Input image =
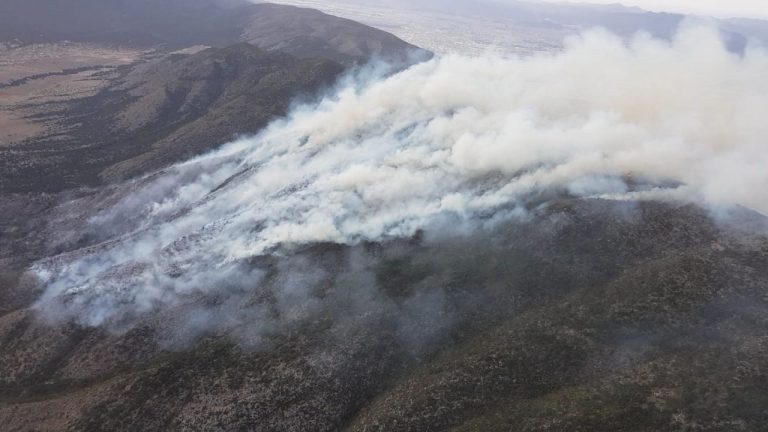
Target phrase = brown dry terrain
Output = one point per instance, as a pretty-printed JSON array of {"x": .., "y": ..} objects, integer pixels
[
  {"x": 137, "y": 118},
  {"x": 37, "y": 80},
  {"x": 32, "y": 60}
]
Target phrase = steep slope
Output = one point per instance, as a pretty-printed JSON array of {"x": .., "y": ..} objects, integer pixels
[
  {"x": 592, "y": 315},
  {"x": 179, "y": 24},
  {"x": 310, "y": 33},
  {"x": 167, "y": 105},
  {"x": 162, "y": 112},
  {"x": 182, "y": 107}
]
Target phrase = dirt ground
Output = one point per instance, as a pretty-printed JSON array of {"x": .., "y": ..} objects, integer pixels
[
  {"x": 35, "y": 79},
  {"x": 32, "y": 60}
]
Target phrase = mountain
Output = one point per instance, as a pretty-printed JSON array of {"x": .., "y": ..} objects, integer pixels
[
  {"x": 142, "y": 290},
  {"x": 310, "y": 33},
  {"x": 163, "y": 112},
  {"x": 590, "y": 316},
  {"x": 181, "y": 107},
  {"x": 166, "y": 105},
  {"x": 141, "y": 108},
  {"x": 177, "y": 24},
  {"x": 89, "y": 113}
]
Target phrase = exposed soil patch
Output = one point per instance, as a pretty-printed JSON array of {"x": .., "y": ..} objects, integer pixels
[{"x": 37, "y": 80}]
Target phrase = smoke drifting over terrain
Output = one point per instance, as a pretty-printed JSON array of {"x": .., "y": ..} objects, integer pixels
[{"x": 454, "y": 143}]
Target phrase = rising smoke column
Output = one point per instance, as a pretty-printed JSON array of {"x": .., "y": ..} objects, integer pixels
[{"x": 462, "y": 138}]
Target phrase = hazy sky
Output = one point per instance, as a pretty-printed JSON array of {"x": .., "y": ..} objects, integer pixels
[{"x": 758, "y": 8}]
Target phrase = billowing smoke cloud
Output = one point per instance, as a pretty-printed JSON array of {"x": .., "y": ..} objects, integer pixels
[{"x": 465, "y": 140}]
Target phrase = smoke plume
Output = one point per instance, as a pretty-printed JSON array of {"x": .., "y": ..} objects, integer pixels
[{"x": 450, "y": 144}]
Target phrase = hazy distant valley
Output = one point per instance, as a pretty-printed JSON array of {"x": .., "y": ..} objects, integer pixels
[{"x": 514, "y": 27}]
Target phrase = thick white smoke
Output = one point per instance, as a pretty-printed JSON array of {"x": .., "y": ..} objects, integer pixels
[{"x": 462, "y": 138}]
